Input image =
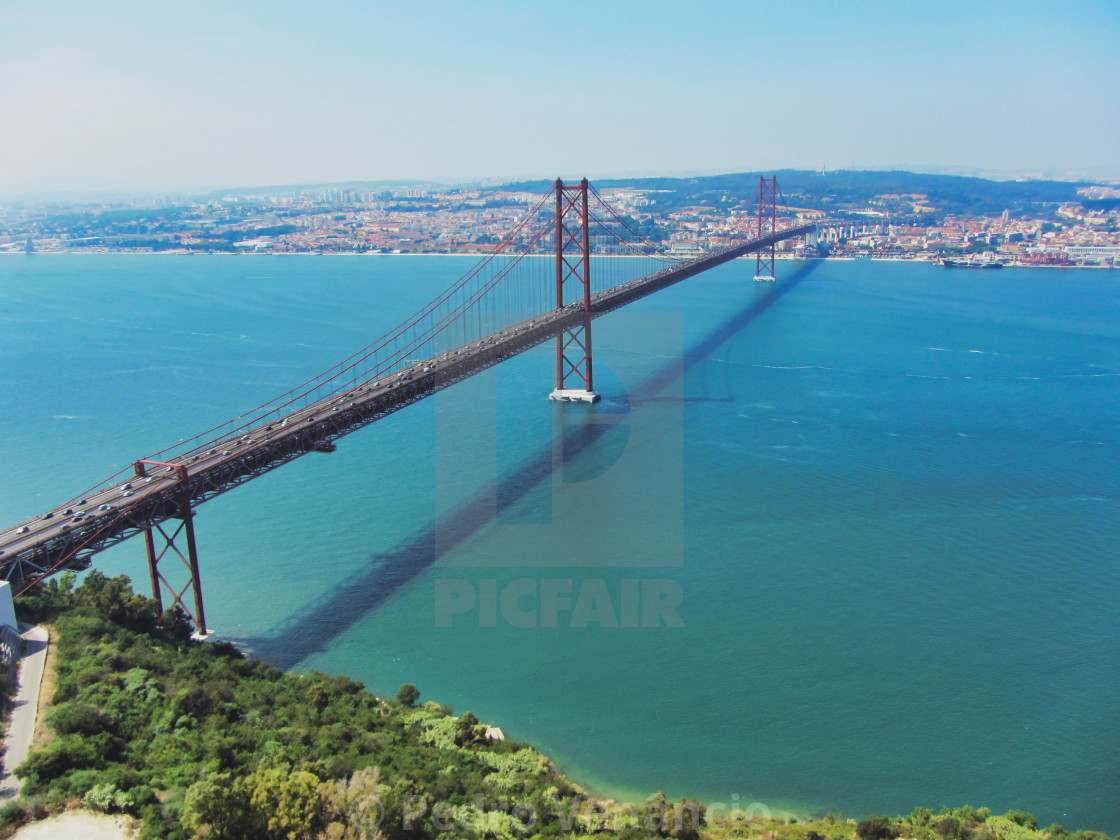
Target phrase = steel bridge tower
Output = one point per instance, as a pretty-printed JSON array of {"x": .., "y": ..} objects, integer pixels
[
  {"x": 767, "y": 217},
  {"x": 574, "y": 380}
]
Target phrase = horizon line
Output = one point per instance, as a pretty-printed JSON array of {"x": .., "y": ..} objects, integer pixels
[{"x": 495, "y": 181}]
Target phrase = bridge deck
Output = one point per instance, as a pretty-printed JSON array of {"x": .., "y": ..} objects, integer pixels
[{"x": 70, "y": 534}]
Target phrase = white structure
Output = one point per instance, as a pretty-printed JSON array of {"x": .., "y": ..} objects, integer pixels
[
  {"x": 573, "y": 395},
  {"x": 1095, "y": 253},
  {"x": 7, "y": 608}
]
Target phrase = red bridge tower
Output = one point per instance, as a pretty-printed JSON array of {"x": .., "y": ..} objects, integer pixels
[
  {"x": 767, "y": 215},
  {"x": 574, "y": 382}
]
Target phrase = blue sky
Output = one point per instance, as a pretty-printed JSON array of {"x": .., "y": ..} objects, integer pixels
[{"x": 201, "y": 94}]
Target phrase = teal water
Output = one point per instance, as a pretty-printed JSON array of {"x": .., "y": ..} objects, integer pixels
[{"x": 885, "y": 495}]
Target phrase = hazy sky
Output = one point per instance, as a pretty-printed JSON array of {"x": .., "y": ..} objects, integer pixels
[{"x": 201, "y": 94}]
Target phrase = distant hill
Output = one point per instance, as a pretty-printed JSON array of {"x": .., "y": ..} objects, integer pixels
[{"x": 847, "y": 189}]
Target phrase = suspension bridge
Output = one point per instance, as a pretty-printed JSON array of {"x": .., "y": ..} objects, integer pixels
[{"x": 537, "y": 285}]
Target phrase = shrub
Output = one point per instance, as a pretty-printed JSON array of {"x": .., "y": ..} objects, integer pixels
[
  {"x": 920, "y": 816},
  {"x": 1022, "y": 818},
  {"x": 968, "y": 814},
  {"x": 77, "y": 719},
  {"x": 108, "y": 798},
  {"x": 62, "y": 756},
  {"x": 11, "y": 815},
  {"x": 948, "y": 828},
  {"x": 876, "y": 827}
]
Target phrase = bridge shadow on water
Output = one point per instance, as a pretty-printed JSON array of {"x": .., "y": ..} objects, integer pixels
[{"x": 311, "y": 630}]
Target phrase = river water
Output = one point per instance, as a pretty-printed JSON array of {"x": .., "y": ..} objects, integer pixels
[{"x": 848, "y": 543}]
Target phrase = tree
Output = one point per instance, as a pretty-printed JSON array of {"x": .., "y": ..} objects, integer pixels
[
  {"x": 289, "y": 801},
  {"x": 408, "y": 694},
  {"x": 968, "y": 814},
  {"x": 685, "y": 819},
  {"x": 465, "y": 728},
  {"x": 876, "y": 827},
  {"x": 1022, "y": 818},
  {"x": 221, "y": 804},
  {"x": 949, "y": 828},
  {"x": 920, "y": 816},
  {"x": 175, "y": 625},
  {"x": 355, "y": 802},
  {"x": 654, "y": 812},
  {"x": 317, "y": 697}
]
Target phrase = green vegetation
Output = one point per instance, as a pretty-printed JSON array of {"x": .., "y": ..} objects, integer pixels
[
  {"x": 198, "y": 741},
  {"x": 966, "y": 823},
  {"x": 876, "y": 827}
]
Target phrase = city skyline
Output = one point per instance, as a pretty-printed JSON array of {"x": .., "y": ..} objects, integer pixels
[{"x": 124, "y": 97}]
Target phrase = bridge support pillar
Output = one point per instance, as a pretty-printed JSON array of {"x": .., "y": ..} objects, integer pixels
[
  {"x": 767, "y": 217},
  {"x": 197, "y": 615},
  {"x": 179, "y": 595},
  {"x": 574, "y": 377}
]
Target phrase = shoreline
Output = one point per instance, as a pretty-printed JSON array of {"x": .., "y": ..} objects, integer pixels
[
  {"x": 484, "y": 254},
  {"x": 598, "y": 788},
  {"x": 719, "y": 806}
]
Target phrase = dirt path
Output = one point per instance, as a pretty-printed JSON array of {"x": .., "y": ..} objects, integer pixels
[
  {"x": 78, "y": 825},
  {"x": 44, "y": 734}
]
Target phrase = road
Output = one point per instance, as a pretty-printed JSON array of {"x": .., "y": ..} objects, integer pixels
[{"x": 17, "y": 743}]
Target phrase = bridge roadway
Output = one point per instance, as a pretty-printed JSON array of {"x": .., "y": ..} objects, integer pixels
[{"x": 69, "y": 535}]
